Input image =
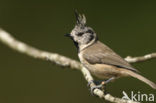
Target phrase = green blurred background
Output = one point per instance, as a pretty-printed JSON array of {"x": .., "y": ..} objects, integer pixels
[{"x": 128, "y": 27}]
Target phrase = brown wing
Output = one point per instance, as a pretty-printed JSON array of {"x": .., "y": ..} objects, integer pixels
[{"x": 99, "y": 53}]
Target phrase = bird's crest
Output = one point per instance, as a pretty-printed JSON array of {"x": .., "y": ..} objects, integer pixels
[{"x": 80, "y": 19}]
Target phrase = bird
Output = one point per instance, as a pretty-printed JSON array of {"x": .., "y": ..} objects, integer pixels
[{"x": 98, "y": 58}]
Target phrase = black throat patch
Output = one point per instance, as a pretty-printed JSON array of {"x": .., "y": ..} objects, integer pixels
[{"x": 76, "y": 44}]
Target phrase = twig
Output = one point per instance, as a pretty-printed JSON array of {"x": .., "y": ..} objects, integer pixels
[
  {"x": 60, "y": 60},
  {"x": 140, "y": 58}
]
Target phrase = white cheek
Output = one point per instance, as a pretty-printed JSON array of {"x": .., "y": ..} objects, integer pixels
[{"x": 73, "y": 33}]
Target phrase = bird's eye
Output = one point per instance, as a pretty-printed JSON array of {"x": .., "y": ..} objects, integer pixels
[
  {"x": 80, "y": 34},
  {"x": 90, "y": 31}
]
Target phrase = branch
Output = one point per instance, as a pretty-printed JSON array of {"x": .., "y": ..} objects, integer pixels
[
  {"x": 60, "y": 60},
  {"x": 140, "y": 58}
]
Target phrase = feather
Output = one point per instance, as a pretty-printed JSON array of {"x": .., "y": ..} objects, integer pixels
[{"x": 98, "y": 53}]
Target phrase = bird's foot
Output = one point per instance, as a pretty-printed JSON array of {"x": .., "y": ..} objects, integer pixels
[
  {"x": 96, "y": 82},
  {"x": 101, "y": 84},
  {"x": 98, "y": 85}
]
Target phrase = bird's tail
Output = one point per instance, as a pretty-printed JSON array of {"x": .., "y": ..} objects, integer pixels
[{"x": 138, "y": 76}]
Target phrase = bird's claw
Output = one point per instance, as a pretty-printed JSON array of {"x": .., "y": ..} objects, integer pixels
[
  {"x": 96, "y": 82},
  {"x": 90, "y": 82},
  {"x": 98, "y": 85}
]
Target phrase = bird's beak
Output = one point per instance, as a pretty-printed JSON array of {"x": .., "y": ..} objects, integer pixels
[{"x": 67, "y": 35}]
